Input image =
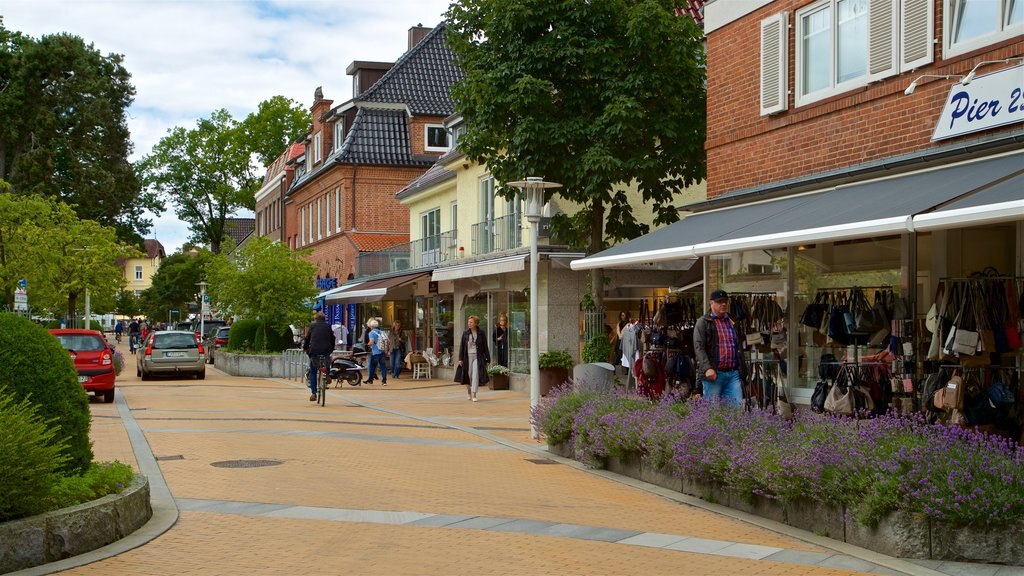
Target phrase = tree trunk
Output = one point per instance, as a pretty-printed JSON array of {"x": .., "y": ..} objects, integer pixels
[
  {"x": 72, "y": 306},
  {"x": 596, "y": 243}
]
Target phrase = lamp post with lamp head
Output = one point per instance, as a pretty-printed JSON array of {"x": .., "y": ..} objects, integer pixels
[
  {"x": 202, "y": 310},
  {"x": 534, "y": 188}
]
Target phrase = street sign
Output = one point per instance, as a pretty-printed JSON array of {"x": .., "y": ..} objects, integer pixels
[
  {"x": 22, "y": 283},
  {"x": 206, "y": 297},
  {"x": 206, "y": 307},
  {"x": 175, "y": 312},
  {"x": 20, "y": 300}
]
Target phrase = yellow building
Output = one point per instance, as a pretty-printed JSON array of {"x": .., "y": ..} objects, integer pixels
[{"x": 138, "y": 272}]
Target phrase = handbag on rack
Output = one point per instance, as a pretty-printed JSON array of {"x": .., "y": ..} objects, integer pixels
[
  {"x": 953, "y": 393},
  {"x": 821, "y": 390},
  {"x": 813, "y": 313}
]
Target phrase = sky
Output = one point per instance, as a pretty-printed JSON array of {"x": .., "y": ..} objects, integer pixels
[{"x": 188, "y": 58}]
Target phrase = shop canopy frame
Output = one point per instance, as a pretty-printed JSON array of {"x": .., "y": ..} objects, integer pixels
[
  {"x": 978, "y": 191},
  {"x": 371, "y": 290}
]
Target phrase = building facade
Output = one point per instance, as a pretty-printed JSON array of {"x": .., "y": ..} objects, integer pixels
[{"x": 138, "y": 272}]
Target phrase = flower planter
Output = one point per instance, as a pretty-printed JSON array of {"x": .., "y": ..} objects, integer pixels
[
  {"x": 901, "y": 534},
  {"x": 551, "y": 378},
  {"x": 758, "y": 505},
  {"x": 563, "y": 449},
  {"x": 713, "y": 492},
  {"x": 1003, "y": 545},
  {"x": 817, "y": 517},
  {"x": 659, "y": 476},
  {"x": 628, "y": 465},
  {"x": 498, "y": 382}
]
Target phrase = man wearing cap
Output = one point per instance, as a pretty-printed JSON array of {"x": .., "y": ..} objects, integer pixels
[{"x": 717, "y": 346}]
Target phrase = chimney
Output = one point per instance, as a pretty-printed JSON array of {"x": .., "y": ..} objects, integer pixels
[{"x": 416, "y": 33}]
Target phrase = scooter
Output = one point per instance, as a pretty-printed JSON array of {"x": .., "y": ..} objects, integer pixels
[{"x": 346, "y": 366}]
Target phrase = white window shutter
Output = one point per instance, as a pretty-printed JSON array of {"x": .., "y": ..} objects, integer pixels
[
  {"x": 774, "y": 69},
  {"x": 917, "y": 23},
  {"x": 883, "y": 17}
]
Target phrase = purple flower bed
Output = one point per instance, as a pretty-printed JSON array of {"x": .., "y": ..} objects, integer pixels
[{"x": 871, "y": 467}]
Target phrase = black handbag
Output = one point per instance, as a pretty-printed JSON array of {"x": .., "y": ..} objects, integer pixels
[
  {"x": 818, "y": 398},
  {"x": 459, "y": 374},
  {"x": 814, "y": 312}
]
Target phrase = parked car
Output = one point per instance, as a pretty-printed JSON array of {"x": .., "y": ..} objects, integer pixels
[
  {"x": 181, "y": 325},
  {"x": 219, "y": 340},
  {"x": 171, "y": 352},
  {"x": 93, "y": 359}
]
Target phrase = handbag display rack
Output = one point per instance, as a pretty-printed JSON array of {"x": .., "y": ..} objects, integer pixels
[
  {"x": 975, "y": 316},
  {"x": 989, "y": 397},
  {"x": 666, "y": 344},
  {"x": 845, "y": 316}
]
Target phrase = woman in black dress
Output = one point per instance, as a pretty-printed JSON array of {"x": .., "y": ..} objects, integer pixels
[
  {"x": 473, "y": 358},
  {"x": 501, "y": 340}
]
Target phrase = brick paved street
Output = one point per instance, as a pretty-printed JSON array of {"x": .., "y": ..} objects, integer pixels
[{"x": 408, "y": 479}]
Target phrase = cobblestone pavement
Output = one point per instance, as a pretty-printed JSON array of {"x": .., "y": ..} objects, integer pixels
[{"x": 407, "y": 479}]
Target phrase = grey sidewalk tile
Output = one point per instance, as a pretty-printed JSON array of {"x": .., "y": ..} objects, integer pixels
[
  {"x": 886, "y": 571},
  {"x": 845, "y": 562},
  {"x": 523, "y": 526},
  {"x": 440, "y": 520},
  {"x": 699, "y": 545},
  {"x": 652, "y": 540},
  {"x": 748, "y": 551},
  {"x": 381, "y": 516},
  {"x": 564, "y": 530},
  {"x": 804, "y": 557},
  {"x": 606, "y": 534},
  {"x": 308, "y": 513},
  {"x": 249, "y": 508},
  {"x": 930, "y": 564},
  {"x": 971, "y": 569},
  {"x": 481, "y": 523},
  {"x": 1010, "y": 571}
]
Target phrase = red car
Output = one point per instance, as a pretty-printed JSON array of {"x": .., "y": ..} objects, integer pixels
[{"x": 93, "y": 359}]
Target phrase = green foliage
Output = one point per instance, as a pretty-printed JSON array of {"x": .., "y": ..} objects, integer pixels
[
  {"x": 272, "y": 339},
  {"x": 30, "y": 456},
  {"x": 174, "y": 284},
  {"x": 266, "y": 280},
  {"x": 619, "y": 84},
  {"x": 207, "y": 171},
  {"x": 242, "y": 336},
  {"x": 98, "y": 481},
  {"x": 36, "y": 367},
  {"x": 555, "y": 421},
  {"x": 64, "y": 133},
  {"x": 126, "y": 303},
  {"x": 597, "y": 349},
  {"x": 556, "y": 359},
  {"x": 498, "y": 370}
]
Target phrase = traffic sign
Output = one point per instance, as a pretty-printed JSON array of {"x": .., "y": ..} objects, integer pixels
[
  {"x": 20, "y": 300},
  {"x": 22, "y": 283}
]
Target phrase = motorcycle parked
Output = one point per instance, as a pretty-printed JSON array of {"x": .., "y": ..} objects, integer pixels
[{"x": 347, "y": 367}]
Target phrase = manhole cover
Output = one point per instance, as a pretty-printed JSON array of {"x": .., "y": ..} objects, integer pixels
[
  {"x": 175, "y": 457},
  {"x": 542, "y": 461},
  {"x": 246, "y": 463}
]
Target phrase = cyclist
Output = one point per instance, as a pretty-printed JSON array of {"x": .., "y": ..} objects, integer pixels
[
  {"x": 318, "y": 344},
  {"x": 118, "y": 330},
  {"x": 134, "y": 331}
]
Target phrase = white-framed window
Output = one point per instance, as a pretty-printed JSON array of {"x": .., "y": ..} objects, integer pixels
[
  {"x": 308, "y": 160},
  {"x": 302, "y": 226},
  {"x": 430, "y": 231},
  {"x": 309, "y": 227},
  {"x": 327, "y": 215},
  {"x": 435, "y": 138},
  {"x": 485, "y": 234},
  {"x": 337, "y": 209},
  {"x": 457, "y": 133},
  {"x": 972, "y": 24},
  {"x": 318, "y": 147},
  {"x": 832, "y": 48},
  {"x": 339, "y": 133},
  {"x": 138, "y": 293},
  {"x": 455, "y": 217},
  {"x": 319, "y": 220},
  {"x": 138, "y": 272}
]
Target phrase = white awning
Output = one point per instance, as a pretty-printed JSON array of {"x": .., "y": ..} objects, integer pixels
[
  {"x": 336, "y": 290},
  {"x": 516, "y": 263}
]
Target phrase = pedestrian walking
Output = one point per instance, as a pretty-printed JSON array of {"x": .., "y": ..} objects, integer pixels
[
  {"x": 134, "y": 330},
  {"x": 474, "y": 357},
  {"x": 318, "y": 344},
  {"x": 398, "y": 341},
  {"x": 375, "y": 339},
  {"x": 717, "y": 347}
]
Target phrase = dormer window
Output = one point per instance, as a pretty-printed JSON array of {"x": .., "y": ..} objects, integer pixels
[
  {"x": 436, "y": 138},
  {"x": 318, "y": 146},
  {"x": 339, "y": 133}
]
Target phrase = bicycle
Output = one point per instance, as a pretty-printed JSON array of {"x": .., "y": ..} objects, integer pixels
[{"x": 323, "y": 379}]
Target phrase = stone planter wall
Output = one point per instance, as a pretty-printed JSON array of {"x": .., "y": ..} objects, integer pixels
[
  {"x": 72, "y": 531},
  {"x": 900, "y": 534},
  {"x": 252, "y": 365}
]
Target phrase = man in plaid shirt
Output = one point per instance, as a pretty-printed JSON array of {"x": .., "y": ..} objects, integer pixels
[{"x": 718, "y": 352}]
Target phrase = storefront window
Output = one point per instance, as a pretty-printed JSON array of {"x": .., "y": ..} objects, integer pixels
[
  {"x": 519, "y": 331},
  {"x": 443, "y": 337}
]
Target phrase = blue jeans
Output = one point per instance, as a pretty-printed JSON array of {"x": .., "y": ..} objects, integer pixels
[
  {"x": 313, "y": 367},
  {"x": 396, "y": 362},
  {"x": 377, "y": 360},
  {"x": 725, "y": 387}
]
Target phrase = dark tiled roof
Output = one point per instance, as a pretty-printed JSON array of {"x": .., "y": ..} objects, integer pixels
[
  {"x": 239, "y": 228},
  {"x": 154, "y": 249},
  {"x": 437, "y": 174},
  {"x": 380, "y": 137},
  {"x": 421, "y": 78}
]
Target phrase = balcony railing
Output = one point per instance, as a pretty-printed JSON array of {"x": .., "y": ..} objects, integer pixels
[
  {"x": 505, "y": 233},
  {"x": 422, "y": 253}
]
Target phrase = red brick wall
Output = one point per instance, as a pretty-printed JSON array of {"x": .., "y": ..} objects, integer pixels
[{"x": 868, "y": 123}]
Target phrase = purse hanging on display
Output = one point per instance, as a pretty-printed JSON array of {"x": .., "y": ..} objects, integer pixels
[{"x": 953, "y": 393}]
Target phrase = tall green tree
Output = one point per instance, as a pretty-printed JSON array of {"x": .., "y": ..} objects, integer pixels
[
  {"x": 63, "y": 129},
  {"x": 210, "y": 171},
  {"x": 23, "y": 253},
  {"x": 266, "y": 281},
  {"x": 126, "y": 303},
  {"x": 174, "y": 283},
  {"x": 594, "y": 95}
]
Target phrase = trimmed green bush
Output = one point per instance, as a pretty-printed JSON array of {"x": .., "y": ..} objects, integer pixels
[
  {"x": 30, "y": 456},
  {"x": 98, "y": 481},
  {"x": 242, "y": 337},
  {"x": 556, "y": 359},
  {"x": 597, "y": 349},
  {"x": 278, "y": 338},
  {"x": 37, "y": 368}
]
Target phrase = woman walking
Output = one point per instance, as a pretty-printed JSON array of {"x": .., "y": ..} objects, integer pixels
[
  {"x": 473, "y": 359},
  {"x": 501, "y": 340}
]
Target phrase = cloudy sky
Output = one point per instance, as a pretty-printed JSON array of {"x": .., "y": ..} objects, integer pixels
[{"x": 191, "y": 57}]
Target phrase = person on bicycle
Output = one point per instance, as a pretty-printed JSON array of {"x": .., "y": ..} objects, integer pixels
[
  {"x": 318, "y": 344},
  {"x": 118, "y": 330},
  {"x": 134, "y": 330}
]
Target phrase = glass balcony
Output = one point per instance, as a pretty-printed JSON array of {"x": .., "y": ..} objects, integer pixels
[
  {"x": 423, "y": 253},
  {"x": 505, "y": 233}
]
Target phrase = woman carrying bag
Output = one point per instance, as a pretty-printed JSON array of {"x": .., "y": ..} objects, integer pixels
[{"x": 474, "y": 357}]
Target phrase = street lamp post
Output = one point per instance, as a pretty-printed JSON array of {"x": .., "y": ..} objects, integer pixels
[
  {"x": 534, "y": 187},
  {"x": 202, "y": 310}
]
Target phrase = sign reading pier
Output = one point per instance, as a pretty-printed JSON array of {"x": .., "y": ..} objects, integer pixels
[{"x": 991, "y": 100}]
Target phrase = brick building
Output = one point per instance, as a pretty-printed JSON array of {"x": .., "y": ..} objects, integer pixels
[
  {"x": 858, "y": 147},
  {"x": 340, "y": 192}
]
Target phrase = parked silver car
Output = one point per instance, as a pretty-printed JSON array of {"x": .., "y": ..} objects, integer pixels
[{"x": 171, "y": 352}]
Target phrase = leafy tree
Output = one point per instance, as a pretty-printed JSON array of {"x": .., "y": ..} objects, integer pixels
[
  {"x": 208, "y": 172},
  {"x": 266, "y": 281},
  {"x": 63, "y": 129},
  {"x": 127, "y": 304},
  {"x": 22, "y": 236},
  {"x": 174, "y": 284},
  {"x": 594, "y": 95}
]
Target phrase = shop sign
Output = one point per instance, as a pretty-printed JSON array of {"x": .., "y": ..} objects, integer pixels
[
  {"x": 991, "y": 100},
  {"x": 432, "y": 287}
]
